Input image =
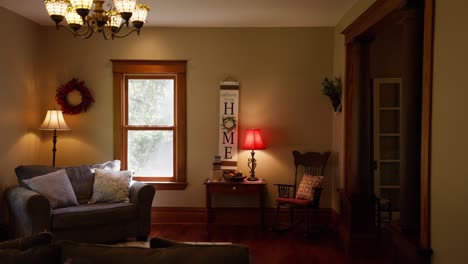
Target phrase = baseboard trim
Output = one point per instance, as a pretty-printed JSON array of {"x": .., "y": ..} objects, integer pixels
[
  {"x": 323, "y": 217},
  {"x": 178, "y": 215}
]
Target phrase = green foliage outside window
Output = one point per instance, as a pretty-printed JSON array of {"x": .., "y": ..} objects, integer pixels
[{"x": 150, "y": 103}]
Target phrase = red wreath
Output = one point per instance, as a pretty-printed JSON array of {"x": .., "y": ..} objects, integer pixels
[{"x": 74, "y": 85}]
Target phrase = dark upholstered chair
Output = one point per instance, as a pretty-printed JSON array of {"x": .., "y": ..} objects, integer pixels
[
  {"x": 44, "y": 248},
  {"x": 30, "y": 212},
  {"x": 311, "y": 163}
]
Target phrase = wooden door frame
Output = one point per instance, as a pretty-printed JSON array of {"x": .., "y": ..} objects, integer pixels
[{"x": 365, "y": 22}]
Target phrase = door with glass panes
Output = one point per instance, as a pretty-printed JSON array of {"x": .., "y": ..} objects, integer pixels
[{"x": 386, "y": 98}]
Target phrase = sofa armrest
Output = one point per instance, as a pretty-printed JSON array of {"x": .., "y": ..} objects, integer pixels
[
  {"x": 142, "y": 195},
  {"x": 29, "y": 211}
]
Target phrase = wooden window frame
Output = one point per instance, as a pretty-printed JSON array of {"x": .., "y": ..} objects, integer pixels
[{"x": 122, "y": 69}]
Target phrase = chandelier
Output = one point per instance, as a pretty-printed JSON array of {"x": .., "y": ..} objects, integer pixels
[{"x": 84, "y": 19}]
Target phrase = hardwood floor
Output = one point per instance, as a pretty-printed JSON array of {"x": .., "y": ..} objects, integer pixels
[{"x": 266, "y": 247}]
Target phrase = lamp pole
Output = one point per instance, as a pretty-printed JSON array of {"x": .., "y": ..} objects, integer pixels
[{"x": 54, "y": 149}]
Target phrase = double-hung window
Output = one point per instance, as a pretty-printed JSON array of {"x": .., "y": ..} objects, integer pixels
[{"x": 150, "y": 120}]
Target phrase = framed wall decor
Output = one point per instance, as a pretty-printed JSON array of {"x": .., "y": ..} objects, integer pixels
[{"x": 229, "y": 121}]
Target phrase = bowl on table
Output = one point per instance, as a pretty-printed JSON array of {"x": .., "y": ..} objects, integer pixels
[{"x": 234, "y": 176}]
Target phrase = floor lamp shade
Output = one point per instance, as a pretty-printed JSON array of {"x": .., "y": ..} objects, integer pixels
[{"x": 54, "y": 121}]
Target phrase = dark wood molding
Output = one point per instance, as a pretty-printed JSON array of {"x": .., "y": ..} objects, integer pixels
[
  {"x": 373, "y": 15},
  {"x": 149, "y": 66},
  {"x": 324, "y": 217},
  {"x": 426, "y": 116},
  {"x": 364, "y": 24},
  {"x": 176, "y": 69}
]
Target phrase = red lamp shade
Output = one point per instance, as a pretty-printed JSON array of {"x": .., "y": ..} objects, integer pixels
[{"x": 253, "y": 139}]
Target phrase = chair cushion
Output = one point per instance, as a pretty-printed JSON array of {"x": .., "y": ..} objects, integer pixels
[
  {"x": 92, "y": 215},
  {"x": 293, "y": 201},
  {"x": 82, "y": 180},
  {"x": 307, "y": 186},
  {"x": 56, "y": 187},
  {"x": 111, "y": 186}
]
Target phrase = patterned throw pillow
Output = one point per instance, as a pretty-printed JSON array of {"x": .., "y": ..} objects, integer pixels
[
  {"x": 111, "y": 186},
  {"x": 307, "y": 186}
]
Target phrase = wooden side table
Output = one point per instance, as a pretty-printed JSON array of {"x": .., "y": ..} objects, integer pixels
[{"x": 234, "y": 188}]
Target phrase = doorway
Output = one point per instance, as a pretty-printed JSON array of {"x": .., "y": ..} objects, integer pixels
[
  {"x": 386, "y": 134},
  {"x": 417, "y": 18}
]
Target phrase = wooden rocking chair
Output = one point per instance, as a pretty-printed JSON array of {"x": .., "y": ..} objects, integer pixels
[{"x": 313, "y": 164}]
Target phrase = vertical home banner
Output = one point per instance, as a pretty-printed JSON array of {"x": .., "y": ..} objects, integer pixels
[{"x": 229, "y": 121}]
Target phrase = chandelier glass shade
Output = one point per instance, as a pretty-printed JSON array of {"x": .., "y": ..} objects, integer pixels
[
  {"x": 86, "y": 17},
  {"x": 81, "y": 4}
]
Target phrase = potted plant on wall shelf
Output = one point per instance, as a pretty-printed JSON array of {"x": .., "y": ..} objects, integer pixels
[{"x": 332, "y": 89}]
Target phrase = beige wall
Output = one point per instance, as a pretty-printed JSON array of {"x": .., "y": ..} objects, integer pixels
[
  {"x": 19, "y": 97},
  {"x": 280, "y": 71},
  {"x": 449, "y": 178}
]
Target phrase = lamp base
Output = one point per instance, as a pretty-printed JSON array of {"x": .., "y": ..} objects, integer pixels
[
  {"x": 252, "y": 165},
  {"x": 252, "y": 178}
]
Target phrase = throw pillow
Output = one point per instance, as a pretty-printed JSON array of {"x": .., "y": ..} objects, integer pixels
[
  {"x": 307, "y": 186},
  {"x": 56, "y": 187},
  {"x": 113, "y": 165},
  {"x": 111, "y": 186}
]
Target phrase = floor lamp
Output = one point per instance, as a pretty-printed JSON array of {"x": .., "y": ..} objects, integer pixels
[{"x": 54, "y": 121}]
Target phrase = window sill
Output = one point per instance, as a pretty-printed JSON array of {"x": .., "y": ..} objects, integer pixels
[{"x": 167, "y": 185}]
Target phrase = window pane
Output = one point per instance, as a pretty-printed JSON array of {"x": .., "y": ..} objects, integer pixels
[
  {"x": 393, "y": 195},
  {"x": 390, "y": 173},
  {"x": 151, "y": 102},
  {"x": 390, "y": 95},
  {"x": 150, "y": 153},
  {"x": 389, "y": 148},
  {"x": 389, "y": 121}
]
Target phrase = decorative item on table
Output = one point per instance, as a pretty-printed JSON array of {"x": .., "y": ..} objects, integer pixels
[
  {"x": 216, "y": 174},
  {"x": 253, "y": 141},
  {"x": 231, "y": 175},
  {"x": 54, "y": 121},
  {"x": 332, "y": 89}
]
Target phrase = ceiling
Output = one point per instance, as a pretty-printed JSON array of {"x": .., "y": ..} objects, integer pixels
[{"x": 218, "y": 13}]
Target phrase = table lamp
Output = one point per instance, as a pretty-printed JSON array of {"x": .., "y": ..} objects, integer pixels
[
  {"x": 253, "y": 141},
  {"x": 54, "y": 121}
]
